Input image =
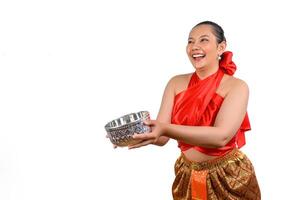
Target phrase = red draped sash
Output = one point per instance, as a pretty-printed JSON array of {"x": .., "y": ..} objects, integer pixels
[{"x": 190, "y": 105}]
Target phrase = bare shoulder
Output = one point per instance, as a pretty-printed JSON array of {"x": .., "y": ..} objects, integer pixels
[
  {"x": 180, "y": 82},
  {"x": 240, "y": 84},
  {"x": 236, "y": 85},
  {"x": 180, "y": 77}
]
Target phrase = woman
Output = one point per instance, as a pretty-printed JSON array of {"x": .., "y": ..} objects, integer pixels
[{"x": 206, "y": 112}]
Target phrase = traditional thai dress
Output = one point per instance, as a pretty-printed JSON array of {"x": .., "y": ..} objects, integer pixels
[{"x": 230, "y": 175}]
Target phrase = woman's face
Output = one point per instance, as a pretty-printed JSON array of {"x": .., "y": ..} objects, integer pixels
[{"x": 202, "y": 48}]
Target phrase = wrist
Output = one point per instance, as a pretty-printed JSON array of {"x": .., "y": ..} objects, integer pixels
[{"x": 165, "y": 128}]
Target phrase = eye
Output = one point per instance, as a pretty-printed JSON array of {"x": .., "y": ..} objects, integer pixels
[
  {"x": 204, "y": 40},
  {"x": 189, "y": 41}
]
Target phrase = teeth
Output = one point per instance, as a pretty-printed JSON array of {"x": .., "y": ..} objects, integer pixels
[{"x": 198, "y": 55}]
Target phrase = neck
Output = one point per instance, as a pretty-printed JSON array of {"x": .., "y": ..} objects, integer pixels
[{"x": 206, "y": 71}]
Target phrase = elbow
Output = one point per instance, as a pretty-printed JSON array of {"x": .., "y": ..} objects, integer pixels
[
  {"x": 223, "y": 141},
  {"x": 223, "y": 136}
]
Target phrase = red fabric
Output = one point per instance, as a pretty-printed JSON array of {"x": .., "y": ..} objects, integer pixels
[
  {"x": 199, "y": 104},
  {"x": 199, "y": 185},
  {"x": 226, "y": 63}
]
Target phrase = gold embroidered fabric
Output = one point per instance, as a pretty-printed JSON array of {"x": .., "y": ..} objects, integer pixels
[{"x": 230, "y": 177}]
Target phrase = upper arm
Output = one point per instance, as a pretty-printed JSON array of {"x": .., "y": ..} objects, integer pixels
[
  {"x": 166, "y": 107},
  {"x": 233, "y": 110},
  {"x": 167, "y": 101}
]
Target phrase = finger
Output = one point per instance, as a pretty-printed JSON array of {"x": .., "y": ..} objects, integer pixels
[
  {"x": 141, "y": 144},
  {"x": 114, "y": 146},
  {"x": 155, "y": 140},
  {"x": 149, "y": 122},
  {"x": 146, "y": 122},
  {"x": 143, "y": 136}
]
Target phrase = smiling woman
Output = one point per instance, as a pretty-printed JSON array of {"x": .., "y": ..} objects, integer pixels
[{"x": 206, "y": 112}]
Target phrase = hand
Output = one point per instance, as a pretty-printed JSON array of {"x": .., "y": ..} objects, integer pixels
[{"x": 151, "y": 137}]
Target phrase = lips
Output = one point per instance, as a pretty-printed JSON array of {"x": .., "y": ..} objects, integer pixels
[{"x": 198, "y": 56}]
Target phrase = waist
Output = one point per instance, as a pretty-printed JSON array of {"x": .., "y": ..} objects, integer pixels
[
  {"x": 212, "y": 162},
  {"x": 203, "y": 153},
  {"x": 198, "y": 156}
]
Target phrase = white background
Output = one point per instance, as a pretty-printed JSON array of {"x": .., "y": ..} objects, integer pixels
[{"x": 68, "y": 67}]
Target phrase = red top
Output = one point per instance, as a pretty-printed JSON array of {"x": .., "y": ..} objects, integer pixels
[{"x": 199, "y": 104}]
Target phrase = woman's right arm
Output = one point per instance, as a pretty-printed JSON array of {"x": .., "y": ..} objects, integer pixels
[{"x": 166, "y": 107}]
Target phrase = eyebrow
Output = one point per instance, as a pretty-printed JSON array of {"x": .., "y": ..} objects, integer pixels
[{"x": 199, "y": 37}]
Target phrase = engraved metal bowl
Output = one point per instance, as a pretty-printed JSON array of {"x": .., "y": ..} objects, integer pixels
[{"x": 121, "y": 130}]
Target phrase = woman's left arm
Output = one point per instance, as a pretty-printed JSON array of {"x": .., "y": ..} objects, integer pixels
[{"x": 227, "y": 122}]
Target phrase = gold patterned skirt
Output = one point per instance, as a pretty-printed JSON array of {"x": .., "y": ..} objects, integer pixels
[{"x": 231, "y": 176}]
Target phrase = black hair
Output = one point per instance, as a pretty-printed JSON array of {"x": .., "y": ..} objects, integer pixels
[{"x": 217, "y": 30}]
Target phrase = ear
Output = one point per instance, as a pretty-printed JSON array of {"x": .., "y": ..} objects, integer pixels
[{"x": 221, "y": 47}]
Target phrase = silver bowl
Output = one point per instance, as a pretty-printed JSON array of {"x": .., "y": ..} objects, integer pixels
[{"x": 121, "y": 130}]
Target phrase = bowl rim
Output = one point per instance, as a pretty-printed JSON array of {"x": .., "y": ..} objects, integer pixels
[{"x": 108, "y": 127}]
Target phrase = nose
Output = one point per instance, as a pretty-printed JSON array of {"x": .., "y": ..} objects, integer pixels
[{"x": 195, "y": 46}]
